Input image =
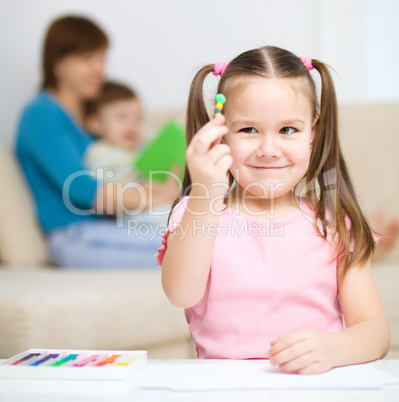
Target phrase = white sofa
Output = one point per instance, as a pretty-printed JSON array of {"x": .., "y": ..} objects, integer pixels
[
  {"x": 370, "y": 141},
  {"x": 46, "y": 307}
]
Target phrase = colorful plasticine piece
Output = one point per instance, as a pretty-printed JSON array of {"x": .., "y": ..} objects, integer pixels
[{"x": 220, "y": 100}]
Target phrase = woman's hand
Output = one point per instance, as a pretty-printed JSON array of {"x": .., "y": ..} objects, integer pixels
[
  {"x": 164, "y": 192},
  {"x": 207, "y": 159},
  {"x": 303, "y": 352}
]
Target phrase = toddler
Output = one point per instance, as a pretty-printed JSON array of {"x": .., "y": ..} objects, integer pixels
[{"x": 116, "y": 118}]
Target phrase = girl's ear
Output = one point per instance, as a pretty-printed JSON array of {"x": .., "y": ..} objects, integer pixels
[{"x": 314, "y": 129}]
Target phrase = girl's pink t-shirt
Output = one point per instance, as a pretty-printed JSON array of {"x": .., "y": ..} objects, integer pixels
[{"x": 267, "y": 278}]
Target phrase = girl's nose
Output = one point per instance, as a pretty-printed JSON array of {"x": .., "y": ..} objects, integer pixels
[{"x": 268, "y": 147}]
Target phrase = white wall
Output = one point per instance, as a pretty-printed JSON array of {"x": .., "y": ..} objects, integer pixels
[
  {"x": 359, "y": 38},
  {"x": 158, "y": 44}
]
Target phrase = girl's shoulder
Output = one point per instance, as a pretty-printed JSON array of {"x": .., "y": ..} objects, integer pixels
[
  {"x": 180, "y": 207},
  {"x": 182, "y": 201},
  {"x": 330, "y": 214}
]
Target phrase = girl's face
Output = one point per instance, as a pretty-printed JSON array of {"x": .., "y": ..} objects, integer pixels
[
  {"x": 271, "y": 128},
  {"x": 81, "y": 73}
]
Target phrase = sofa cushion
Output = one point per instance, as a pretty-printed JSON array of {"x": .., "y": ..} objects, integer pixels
[
  {"x": 78, "y": 309},
  {"x": 370, "y": 142},
  {"x": 21, "y": 240}
]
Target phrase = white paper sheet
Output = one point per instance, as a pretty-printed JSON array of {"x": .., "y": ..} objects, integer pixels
[{"x": 244, "y": 375}]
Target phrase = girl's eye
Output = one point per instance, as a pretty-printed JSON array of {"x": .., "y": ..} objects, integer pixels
[
  {"x": 248, "y": 130},
  {"x": 287, "y": 130}
]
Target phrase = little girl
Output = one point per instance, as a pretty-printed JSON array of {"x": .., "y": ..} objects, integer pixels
[{"x": 261, "y": 271}]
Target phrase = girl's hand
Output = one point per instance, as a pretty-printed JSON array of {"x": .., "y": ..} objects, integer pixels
[
  {"x": 207, "y": 159},
  {"x": 303, "y": 352}
]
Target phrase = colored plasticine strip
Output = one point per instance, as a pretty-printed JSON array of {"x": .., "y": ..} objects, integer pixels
[
  {"x": 50, "y": 356},
  {"x": 91, "y": 358},
  {"x": 27, "y": 357},
  {"x": 109, "y": 360},
  {"x": 123, "y": 363},
  {"x": 81, "y": 356},
  {"x": 64, "y": 360}
]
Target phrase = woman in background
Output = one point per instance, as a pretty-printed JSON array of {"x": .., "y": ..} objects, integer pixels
[{"x": 51, "y": 141}]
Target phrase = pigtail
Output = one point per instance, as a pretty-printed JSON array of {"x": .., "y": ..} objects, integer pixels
[
  {"x": 197, "y": 116},
  {"x": 324, "y": 159},
  {"x": 336, "y": 192}
]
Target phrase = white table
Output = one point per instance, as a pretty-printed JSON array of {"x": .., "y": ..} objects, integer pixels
[{"x": 17, "y": 390}]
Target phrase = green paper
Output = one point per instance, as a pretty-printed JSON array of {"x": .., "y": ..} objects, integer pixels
[{"x": 165, "y": 151}]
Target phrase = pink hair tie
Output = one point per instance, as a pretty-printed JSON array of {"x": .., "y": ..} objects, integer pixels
[
  {"x": 220, "y": 68},
  {"x": 307, "y": 61}
]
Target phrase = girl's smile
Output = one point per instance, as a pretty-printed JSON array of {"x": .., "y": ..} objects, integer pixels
[{"x": 271, "y": 127}]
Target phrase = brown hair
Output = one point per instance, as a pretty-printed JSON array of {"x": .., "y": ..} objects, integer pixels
[
  {"x": 65, "y": 36},
  {"x": 110, "y": 92},
  {"x": 332, "y": 208}
]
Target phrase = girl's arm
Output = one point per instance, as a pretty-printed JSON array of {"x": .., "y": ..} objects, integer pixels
[
  {"x": 366, "y": 337},
  {"x": 187, "y": 261}
]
